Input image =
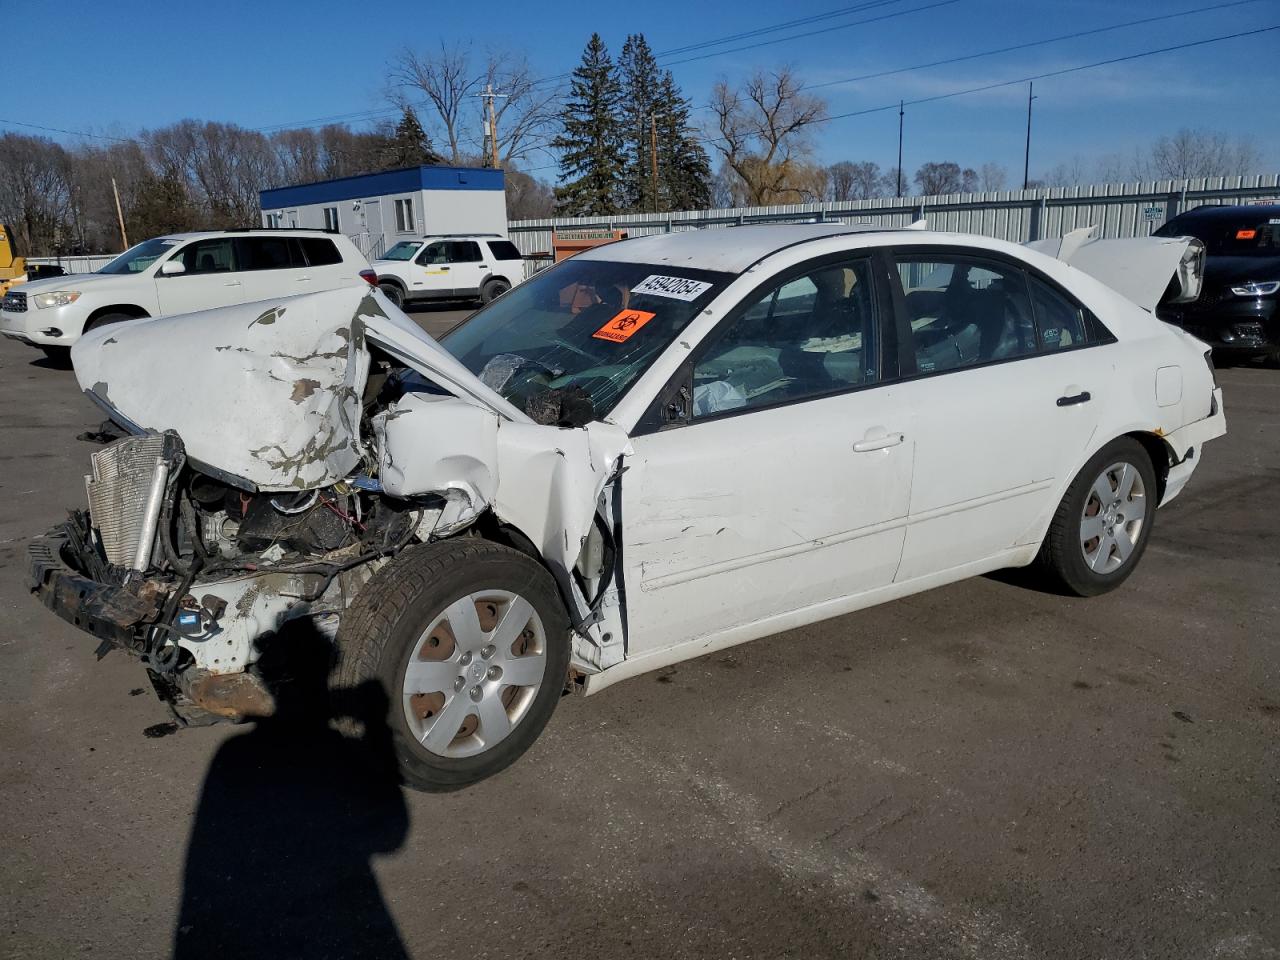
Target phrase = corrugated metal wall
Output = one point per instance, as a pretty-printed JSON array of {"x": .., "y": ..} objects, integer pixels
[{"x": 1122, "y": 210}]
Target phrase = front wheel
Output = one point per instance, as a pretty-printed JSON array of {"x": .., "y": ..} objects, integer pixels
[
  {"x": 470, "y": 641},
  {"x": 1102, "y": 525}
]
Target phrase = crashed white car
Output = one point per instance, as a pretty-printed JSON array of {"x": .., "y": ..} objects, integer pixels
[{"x": 654, "y": 450}]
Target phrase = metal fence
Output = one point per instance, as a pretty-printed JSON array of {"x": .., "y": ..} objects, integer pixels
[{"x": 1122, "y": 210}]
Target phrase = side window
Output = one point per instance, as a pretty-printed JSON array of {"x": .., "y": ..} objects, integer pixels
[
  {"x": 432, "y": 253},
  {"x": 812, "y": 335},
  {"x": 504, "y": 250},
  {"x": 965, "y": 311},
  {"x": 1062, "y": 324},
  {"x": 464, "y": 251},
  {"x": 404, "y": 215},
  {"x": 270, "y": 253},
  {"x": 320, "y": 251},
  {"x": 208, "y": 256}
]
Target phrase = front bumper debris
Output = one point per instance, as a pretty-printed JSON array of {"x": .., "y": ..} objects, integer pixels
[{"x": 69, "y": 577}]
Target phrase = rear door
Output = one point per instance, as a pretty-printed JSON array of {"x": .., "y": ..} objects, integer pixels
[
  {"x": 272, "y": 267},
  {"x": 1004, "y": 386},
  {"x": 467, "y": 266},
  {"x": 212, "y": 278}
]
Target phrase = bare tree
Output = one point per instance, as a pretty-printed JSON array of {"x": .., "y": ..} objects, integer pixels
[
  {"x": 526, "y": 113},
  {"x": 36, "y": 189},
  {"x": 447, "y": 81},
  {"x": 854, "y": 181},
  {"x": 1069, "y": 173},
  {"x": 1202, "y": 153},
  {"x": 764, "y": 133},
  {"x": 934, "y": 179},
  {"x": 992, "y": 177}
]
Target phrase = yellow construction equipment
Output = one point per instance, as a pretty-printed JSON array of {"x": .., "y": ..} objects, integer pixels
[{"x": 15, "y": 269}]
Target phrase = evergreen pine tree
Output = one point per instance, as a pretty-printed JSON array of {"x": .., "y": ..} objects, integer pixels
[
  {"x": 591, "y": 142},
  {"x": 684, "y": 169},
  {"x": 409, "y": 146},
  {"x": 640, "y": 86}
]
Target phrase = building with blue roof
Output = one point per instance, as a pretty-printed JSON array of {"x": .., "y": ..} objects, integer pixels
[{"x": 377, "y": 210}]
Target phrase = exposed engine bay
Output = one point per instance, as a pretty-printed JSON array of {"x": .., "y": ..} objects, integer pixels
[{"x": 189, "y": 557}]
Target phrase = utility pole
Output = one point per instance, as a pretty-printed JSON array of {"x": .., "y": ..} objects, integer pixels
[
  {"x": 901, "y": 111},
  {"x": 1026, "y": 161},
  {"x": 124, "y": 237},
  {"x": 653, "y": 156},
  {"x": 492, "y": 122}
]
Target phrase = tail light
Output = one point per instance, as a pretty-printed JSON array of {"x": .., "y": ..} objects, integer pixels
[{"x": 369, "y": 277}]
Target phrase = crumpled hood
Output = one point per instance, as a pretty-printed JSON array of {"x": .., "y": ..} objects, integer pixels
[{"x": 266, "y": 393}]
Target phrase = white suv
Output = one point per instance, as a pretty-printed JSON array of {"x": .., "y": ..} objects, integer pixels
[
  {"x": 181, "y": 273},
  {"x": 459, "y": 266}
]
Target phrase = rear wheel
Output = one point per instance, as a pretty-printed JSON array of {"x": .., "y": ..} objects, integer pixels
[
  {"x": 470, "y": 641},
  {"x": 493, "y": 290},
  {"x": 1102, "y": 525},
  {"x": 393, "y": 293}
]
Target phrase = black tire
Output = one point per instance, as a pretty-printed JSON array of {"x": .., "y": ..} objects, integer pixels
[
  {"x": 381, "y": 629},
  {"x": 493, "y": 290},
  {"x": 1062, "y": 558},
  {"x": 108, "y": 318},
  {"x": 393, "y": 292}
]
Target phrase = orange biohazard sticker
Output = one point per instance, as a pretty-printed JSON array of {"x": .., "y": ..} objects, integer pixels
[
  {"x": 1246, "y": 234},
  {"x": 622, "y": 326}
]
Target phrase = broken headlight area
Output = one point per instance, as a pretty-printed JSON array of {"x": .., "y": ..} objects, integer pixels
[{"x": 191, "y": 574}]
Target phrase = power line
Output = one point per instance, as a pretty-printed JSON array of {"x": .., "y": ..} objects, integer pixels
[
  {"x": 811, "y": 33},
  {"x": 71, "y": 133},
  {"x": 1029, "y": 44},
  {"x": 1042, "y": 76},
  {"x": 802, "y": 21}
]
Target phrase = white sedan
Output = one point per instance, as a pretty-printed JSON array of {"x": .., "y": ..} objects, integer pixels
[{"x": 654, "y": 450}]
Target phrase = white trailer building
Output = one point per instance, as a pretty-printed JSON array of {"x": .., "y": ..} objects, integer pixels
[{"x": 378, "y": 209}]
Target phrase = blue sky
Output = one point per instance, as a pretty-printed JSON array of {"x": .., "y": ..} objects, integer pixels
[{"x": 114, "y": 68}]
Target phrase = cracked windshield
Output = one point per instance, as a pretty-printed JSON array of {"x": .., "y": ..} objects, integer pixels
[{"x": 585, "y": 328}]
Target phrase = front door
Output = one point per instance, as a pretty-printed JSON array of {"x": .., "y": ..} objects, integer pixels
[
  {"x": 211, "y": 278},
  {"x": 785, "y": 485},
  {"x": 432, "y": 271}
]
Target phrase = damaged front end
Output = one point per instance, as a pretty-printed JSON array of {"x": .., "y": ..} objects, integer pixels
[{"x": 270, "y": 461}]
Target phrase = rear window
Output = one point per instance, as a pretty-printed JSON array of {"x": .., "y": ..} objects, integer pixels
[
  {"x": 320, "y": 251},
  {"x": 1229, "y": 236},
  {"x": 504, "y": 250}
]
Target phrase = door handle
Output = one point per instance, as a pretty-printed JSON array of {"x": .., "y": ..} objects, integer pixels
[
  {"x": 1072, "y": 399},
  {"x": 232, "y": 283},
  {"x": 302, "y": 280},
  {"x": 484, "y": 266},
  {"x": 878, "y": 442}
]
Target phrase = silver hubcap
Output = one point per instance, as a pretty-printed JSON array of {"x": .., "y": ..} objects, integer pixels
[
  {"x": 474, "y": 673},
  {"x": 1113, "y": 516}
]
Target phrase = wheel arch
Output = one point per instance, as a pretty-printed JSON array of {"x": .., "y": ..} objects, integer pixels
[{"x": 128, "y": 309}]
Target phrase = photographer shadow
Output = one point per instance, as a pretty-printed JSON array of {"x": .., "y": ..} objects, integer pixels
[{"x": 292, "y": 812}]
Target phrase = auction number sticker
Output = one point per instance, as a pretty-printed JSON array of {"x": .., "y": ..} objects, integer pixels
[
  {"x": 621, "y": 328},
  {"x": 677, "y": 288}
]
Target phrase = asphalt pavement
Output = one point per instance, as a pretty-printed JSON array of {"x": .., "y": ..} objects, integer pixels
[{"x": 984, "y": 771}]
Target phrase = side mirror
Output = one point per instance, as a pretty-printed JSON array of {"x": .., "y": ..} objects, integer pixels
[{"x": 171, "y": 267}]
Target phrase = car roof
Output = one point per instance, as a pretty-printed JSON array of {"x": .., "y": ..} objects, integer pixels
[
  {"x": 728, "y": 250},
  {"x": 247, "y": 232}
]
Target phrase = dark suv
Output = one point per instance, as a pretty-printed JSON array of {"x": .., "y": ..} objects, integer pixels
[{"x": 1237, "y": 312}]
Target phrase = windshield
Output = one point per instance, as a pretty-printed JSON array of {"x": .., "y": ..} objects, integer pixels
[
  {"x": 1235, "y": 237},
  {"x": 136, "y": 259},
  {"x": 404, "y": 250},
  {"x": 587, "y": 327}
]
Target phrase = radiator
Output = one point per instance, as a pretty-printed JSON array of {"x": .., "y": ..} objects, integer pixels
[{"x": 126, "y": 490}]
